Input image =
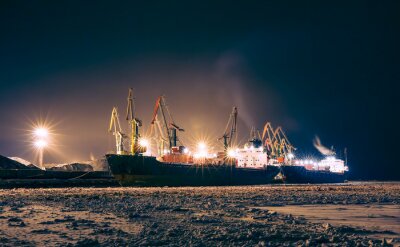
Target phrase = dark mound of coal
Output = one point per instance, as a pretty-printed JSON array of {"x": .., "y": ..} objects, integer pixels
[
  {"x": 72, "y": 167},
  {"x": 6, "y": 163}
]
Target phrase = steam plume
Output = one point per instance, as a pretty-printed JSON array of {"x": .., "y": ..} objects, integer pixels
[{"x": 321, "y": 148}]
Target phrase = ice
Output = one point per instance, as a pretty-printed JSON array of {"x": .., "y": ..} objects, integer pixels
[{"x": 271, "y": 215}]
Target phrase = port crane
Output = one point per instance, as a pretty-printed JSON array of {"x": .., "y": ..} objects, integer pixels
[
  {"x": 115, "y": 128},
  {"x": 230, "y": 134},
  {"x": 167, "y": 129},
  {"x": 268, "y": 138},
  {"x": 283, "y": 144},
  {"x": 134, "y": 124},
  {"x": 276, "y": 141}
]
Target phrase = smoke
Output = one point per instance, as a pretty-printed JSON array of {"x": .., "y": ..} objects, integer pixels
[
  {"x": 92, "y": 156},
  {"x": 230, "y": 74},
  {"x": 321, "y": 148}
]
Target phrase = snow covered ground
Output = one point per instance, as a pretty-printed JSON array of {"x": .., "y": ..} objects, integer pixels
[
  {"x": 382, "y": 220},
  {"x": 364, "y": 214}
]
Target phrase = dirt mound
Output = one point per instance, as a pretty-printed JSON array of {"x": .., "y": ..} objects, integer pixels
[
  {"x": 6, "y": 163},
  {"x": 72, "y": 167},
  {"x": 24, "y": 162}
]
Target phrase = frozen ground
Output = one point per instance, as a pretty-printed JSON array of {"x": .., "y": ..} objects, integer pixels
[{"x": 363, "y": 214}]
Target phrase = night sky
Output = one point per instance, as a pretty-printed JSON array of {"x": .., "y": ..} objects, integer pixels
[{"x": 316, "y": 68}]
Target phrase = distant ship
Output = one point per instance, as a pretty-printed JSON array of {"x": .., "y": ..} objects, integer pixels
[{"x": 328, "y": 170}]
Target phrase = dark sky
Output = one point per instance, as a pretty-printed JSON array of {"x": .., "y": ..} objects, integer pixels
[{"x": 326, "y": 68}]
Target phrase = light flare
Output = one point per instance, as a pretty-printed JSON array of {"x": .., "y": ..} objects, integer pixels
[
  {"x": 40, "y": 144},
  {"x": 41, "y": 132},
  {"x": 144, "y": 142},
  {"x": 231, "y": 153}
]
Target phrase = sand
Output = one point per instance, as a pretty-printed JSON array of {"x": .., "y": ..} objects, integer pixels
[{"x": 354, "y": 214}]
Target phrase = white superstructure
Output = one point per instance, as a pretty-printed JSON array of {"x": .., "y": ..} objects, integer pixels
[
  {"x": 330, "y": 163},
  {"x": 335, "y": 165},
  {"x": 251, "y": 157}
]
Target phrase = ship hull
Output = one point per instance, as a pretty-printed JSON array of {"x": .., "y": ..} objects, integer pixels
[
  {"x": 299, "y": 174},
  {"x": 147, "y": 171}
]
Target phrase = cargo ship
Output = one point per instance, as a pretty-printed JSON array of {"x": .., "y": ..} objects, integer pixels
[
  {"x": 136, "y": 170},
  {"x": 174, "y": 164},
  {"x": 282, "y": 153}
]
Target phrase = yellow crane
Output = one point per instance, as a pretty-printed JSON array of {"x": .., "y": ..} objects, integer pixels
[
  {"x": 268, "y": 137},
  {"x": 115, "y": 128},
  {"x": 134, "y": 124},
  {"x": 277, "y": 142},
  {"x": 285, "y": 147}
]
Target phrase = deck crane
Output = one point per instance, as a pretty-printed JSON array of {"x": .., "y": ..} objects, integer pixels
[
  {"x": 134, "y": 124},
  {"x": 277, "y": 143},
  {"x": 115, "y": 128},
  {"x": 167, "y": 128},
  {"x": 284, "y": 146},
  {"x": 268, "y": 138},
  {"x": 230, "y": 134}
]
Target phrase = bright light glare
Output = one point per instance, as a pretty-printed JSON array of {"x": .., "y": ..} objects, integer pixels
[
  {"x": 143, "y": 142},
  {"x": 40, "y": 144},
  {"x": 185, "y": 150},
  {"x": 41, "y": 132},
  {"x": 290, "y": 156},
  {"x": 201, "y": 146},
  {"x": 231, "y": 153}
]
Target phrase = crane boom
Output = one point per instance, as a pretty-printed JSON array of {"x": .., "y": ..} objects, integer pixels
[
  {"x": 284, "y": 144},
  {"x": 115, "y": 128},
  {"x": 276, "y": 141},
  {"x": 133, "y": 122},
  {"x": 169, "y": 127},
  {"x": 156, "y": 106},
  {"x": 229, "y": 137},
  {"x": 268, "y": 138}
]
